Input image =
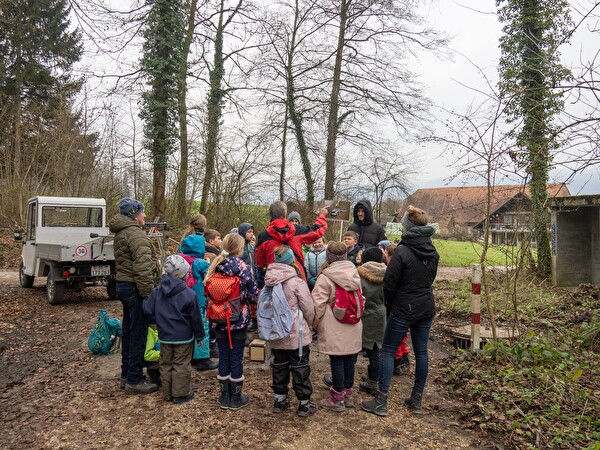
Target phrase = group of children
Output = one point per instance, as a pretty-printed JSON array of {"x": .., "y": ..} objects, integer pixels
[{"x": 178, "y": 305}]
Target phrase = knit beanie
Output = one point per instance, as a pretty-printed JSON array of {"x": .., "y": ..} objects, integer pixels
[
  {"x": 294, "y": 215},
  {"x": 334, "y": 253},
  {"x": 383, "y": 244},
  {"x": 176, "y": 267},
  {"x": 372, "y": 254},
  {"x": 285, "y": 258},
  {"x": 130, "y": 207}
]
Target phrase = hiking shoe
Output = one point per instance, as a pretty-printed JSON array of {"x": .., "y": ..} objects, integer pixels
[
  {"x": 181, "y": 400},
  {"x": 206, "y": 364},
  {"x": 401, "y": 365},
  {"x": 328, "y": 381},
  {"x": 414, "y": 402},
  {"x": 142, "y": 387},
  {"x": 280, "y": 406},
  {"x": 369, "y": 386},
  {"x": 378, "y": 405},
  {"x": 306, "y": 410}
]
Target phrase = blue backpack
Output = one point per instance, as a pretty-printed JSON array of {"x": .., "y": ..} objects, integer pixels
[
  {"x": 104, "y": 334},
  {"x": 274, "y": 316}
]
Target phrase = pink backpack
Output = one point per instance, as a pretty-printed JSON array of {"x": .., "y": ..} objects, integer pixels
[
  {"x": 191, "y": 281},
  {"x": 349, "y": 306}
]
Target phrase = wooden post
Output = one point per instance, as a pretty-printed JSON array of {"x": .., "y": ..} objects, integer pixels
[{"x": 476, "y": 308}]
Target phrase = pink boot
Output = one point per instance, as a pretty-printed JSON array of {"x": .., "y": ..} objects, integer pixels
[
  {"x": 335, "y": 401},
  {"x": 348, "y": 400}
]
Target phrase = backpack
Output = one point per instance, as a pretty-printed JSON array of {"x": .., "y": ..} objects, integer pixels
[
  {"x": 224, "y": 301},
  {"x": 104, "y": 334},
  {"x": 191, "y": 281},
  {"x": 274, "y": 315},
  {"x": 349, "y": 306}
]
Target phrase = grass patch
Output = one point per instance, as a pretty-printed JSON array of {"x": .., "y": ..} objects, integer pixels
[
  {"x": 541, "y": 390},
  {"x": 466, "y": 253}
]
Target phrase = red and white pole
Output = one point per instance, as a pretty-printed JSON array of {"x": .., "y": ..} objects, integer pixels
[{"x": 476, "y": 308}]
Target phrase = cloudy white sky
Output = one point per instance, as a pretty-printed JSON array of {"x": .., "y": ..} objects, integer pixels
[{"x": 475, "y": 30}]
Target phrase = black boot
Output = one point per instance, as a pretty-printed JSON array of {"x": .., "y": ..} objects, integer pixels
[
  {"x": 206, "y": 364},
  {"x": 225, "y": 386},
  {"x": 237, "y": 399},
  {"x": 378, "y": 405},
  {"x": 401, "y": 365},
  {"x": 214, "y": 349},
  {"x": 414, "y": 402}
]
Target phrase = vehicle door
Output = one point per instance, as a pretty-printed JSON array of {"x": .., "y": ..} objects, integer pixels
[{"x": 28, "y": 253}]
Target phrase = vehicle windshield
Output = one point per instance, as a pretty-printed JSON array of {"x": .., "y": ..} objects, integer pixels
[{"x": 71, "y": 216}]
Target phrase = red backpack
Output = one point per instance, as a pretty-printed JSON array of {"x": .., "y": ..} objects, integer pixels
[
  {"x": 349, "y": 306},
  {"x": 224, "y": 301}
]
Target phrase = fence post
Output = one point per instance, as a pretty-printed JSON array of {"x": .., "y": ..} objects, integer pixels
[{"x": 476, "y": 308}]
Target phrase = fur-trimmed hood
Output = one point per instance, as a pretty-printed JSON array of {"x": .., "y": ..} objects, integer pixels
[{"x": 372, "y": 271}]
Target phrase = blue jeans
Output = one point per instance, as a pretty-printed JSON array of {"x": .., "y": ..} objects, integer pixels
[
  {"x": 231, "y": 359},
  {"x": 135, "y": 330},
  {"x": 395, "y": 331},
  {"x": 342, "y": 371}
]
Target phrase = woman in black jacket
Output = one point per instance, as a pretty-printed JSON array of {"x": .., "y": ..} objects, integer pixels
[{"x": 408, "y": 292}]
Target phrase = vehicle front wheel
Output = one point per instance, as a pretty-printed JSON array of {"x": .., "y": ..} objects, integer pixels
[
  {"x": 25, "y": 280},
  {"x": 55, "y": 290}
]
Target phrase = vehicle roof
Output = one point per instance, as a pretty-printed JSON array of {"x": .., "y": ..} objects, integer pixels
[{"x": 75, "y": 201}]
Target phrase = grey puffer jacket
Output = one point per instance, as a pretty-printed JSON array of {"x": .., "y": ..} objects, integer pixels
[
  {"x": 298, "y": 296},
  {"x": 134, "y": 254}
]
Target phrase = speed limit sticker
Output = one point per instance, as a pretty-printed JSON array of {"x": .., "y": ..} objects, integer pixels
[{"x": 81, "y": 251}]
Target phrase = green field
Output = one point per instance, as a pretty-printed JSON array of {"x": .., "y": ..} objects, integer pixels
[{"x": 460, "y": 254}]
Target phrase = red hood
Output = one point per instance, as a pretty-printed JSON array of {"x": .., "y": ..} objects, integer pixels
[{"x": 281, "y": 230}]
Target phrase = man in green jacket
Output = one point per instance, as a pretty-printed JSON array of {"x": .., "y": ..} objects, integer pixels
[{"x": 135, "y": 263}]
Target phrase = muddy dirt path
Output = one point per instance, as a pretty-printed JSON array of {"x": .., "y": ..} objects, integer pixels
[{"x": 55, "y": 395}]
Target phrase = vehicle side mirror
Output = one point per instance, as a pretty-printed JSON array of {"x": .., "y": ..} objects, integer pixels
[
  {"x": 93, "y": 235},
  {"x": 17, "y": 235}
]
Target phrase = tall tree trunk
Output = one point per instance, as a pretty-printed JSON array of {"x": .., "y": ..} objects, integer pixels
[
  {"x": 282, "y": 169},
  {"x": 158, "y": 196},
  {"x": 332, "y": 122},
  {"x": 214, "y": 106},
  {"x": 181, "y": 203},
  {"x": 296, "y": 118},
  {"x": 535, "y": 129}
]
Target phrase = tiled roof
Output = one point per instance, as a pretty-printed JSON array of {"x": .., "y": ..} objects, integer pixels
[{"x": 451, "y": 206}]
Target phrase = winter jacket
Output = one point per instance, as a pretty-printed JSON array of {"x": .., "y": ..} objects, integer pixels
[
  {"x": 312, "y": 264},
  {"x": 407, "y": 285},
  {"x": 193, "y": 248},
  {"x": 134, "y": 254},
  {"x": 371, "y": 281},
  {"x": 175, "y": 307},
  {"x": 248, "y": 253},
  {"x": 297, "y": 294},
  {"x": 281, "y": 231},
  {"x": 211, "y": 252},
  {"x": 152, "y": 353},
  {"x": 336, "y": 338},
  {"x": 233, "y": 266},
  {"x": 369, "y": 232},
  {"x": 352, "y": 254}
]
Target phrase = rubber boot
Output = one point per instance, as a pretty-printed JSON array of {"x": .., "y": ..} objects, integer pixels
[
  {"x": 334, "y": 402},
  {"x": 225, "y": 387},
  {"x": 348, "y": 399},
  {"x": 414, "y": 402},
  {"x": 378, "y": 405},
  {"x": 237, "y": 400},
  {"x": 369, "y": 386}
]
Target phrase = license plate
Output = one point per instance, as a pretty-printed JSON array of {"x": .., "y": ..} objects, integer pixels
[{"x": 100, "y": 271}]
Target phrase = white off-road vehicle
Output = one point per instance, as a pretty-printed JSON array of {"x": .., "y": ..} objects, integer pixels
[{"x": 67, "y": 240}]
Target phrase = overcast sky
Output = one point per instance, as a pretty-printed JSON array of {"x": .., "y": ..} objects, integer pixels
[{"x": 476, "y": 30}]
